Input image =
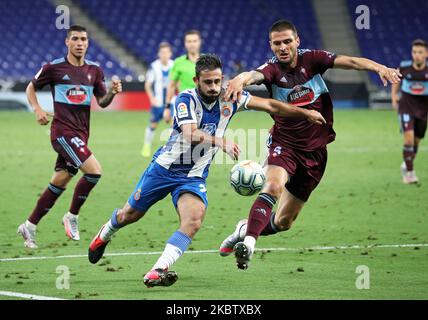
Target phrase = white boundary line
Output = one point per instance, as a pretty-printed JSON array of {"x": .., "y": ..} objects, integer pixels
[
  {"x": 26, "y": 296},
  {"x": 315, "y": 248}
]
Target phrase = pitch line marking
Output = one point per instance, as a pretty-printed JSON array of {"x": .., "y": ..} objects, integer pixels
[
  {"x": 26, "y": 296},
  {"x": 314, "y": 248}
]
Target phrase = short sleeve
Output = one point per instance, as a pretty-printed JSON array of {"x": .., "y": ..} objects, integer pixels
[
  {"x": 43, "y": 77},
  {"x": 322, "y": 60},
  {"x": 268, "y": 70},
  {"x": 174, "y": 74},
  {"x": 242, "y": 103},
  {"x": 99, "y": 85},
  {"x": 184, "y": 110}
]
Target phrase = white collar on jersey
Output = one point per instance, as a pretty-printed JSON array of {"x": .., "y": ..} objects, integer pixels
[{"x": 206, "y": 105}]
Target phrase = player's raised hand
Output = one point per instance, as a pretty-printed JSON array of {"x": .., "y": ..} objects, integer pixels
[
  {"x": 116, "y": 86},
  {"x": 315, "y": 117},
  {"x": 389, "y": 75},
  {"x": 234, "y": 90},
  {"x": 42, "y": 116},
  {"x": 232, "y": 149}
]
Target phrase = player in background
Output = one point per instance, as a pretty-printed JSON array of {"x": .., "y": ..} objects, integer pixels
[
  {"x": 412, "y": 106},
  {"x": 183, "y": 70},
  {"x": 156, "y": 86},
  {"x": 73, "y": 81},
  {"x": 297, "y": 149},
  {"x": 180, "y": 168}
]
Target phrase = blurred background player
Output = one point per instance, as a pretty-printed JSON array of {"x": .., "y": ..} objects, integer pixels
[
  {"x": 412, "y": 106},
  {"x": 183, "y": 70},
  {"x": 181, "y": 167},
  {"x": 74, "y": 81},
  {"x": 156, "y": 87},
  {"x": 297, "y": 149}
]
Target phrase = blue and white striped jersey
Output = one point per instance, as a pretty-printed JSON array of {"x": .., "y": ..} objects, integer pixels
[
  {"x": 179, "y": 156},
  {"x": 158, "y": 76}
]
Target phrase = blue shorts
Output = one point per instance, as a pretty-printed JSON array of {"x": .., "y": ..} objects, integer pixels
[
  {"x": 157, "y": 113},
  {"x": 157, "y": 182}
]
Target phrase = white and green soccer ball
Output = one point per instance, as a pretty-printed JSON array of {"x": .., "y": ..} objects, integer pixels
[{"x": 247, "y": 177}]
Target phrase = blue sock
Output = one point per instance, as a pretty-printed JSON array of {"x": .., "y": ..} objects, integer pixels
[
  {"x": 115, "y": 224},
  {"x": 180, "y": 240}
]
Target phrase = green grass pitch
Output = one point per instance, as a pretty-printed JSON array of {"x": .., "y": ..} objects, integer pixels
[{"x": 360, "y": 202}]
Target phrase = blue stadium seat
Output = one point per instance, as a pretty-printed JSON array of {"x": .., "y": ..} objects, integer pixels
[
  {"x": 31, "y": 39},
  {"x": 394, "y": 24}
]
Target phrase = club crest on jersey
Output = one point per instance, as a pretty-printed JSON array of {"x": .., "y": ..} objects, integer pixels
[
  {"x": 300, "y": 96},
  {"x": 76, "y": 95},
  {"x": 226, "y": 111},
  {"x": 182, "y": 110}
]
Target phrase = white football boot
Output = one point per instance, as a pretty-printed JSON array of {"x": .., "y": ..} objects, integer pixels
[
  {"x": 29, "y": 235},
  {"x": 409, "y": 177},
  {"x": 226, "y": 247},
  {"x": 71, "y": 226}
]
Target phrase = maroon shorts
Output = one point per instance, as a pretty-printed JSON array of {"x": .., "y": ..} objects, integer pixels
[
  {"x": 409, "y": 122},
  {"x": 304, "y": 168},
  {"x": 72, "y": 153}
]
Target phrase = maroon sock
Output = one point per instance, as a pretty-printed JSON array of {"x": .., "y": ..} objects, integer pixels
[
  {"x": 270, "y": 228},
  {"x": 81, "y": 191},
  {"x": 409, "y": 156},
  {"x": 45, "y": 203},
  {"x": 260, "y": 214}
]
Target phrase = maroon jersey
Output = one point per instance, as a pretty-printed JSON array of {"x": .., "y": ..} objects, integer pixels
[
  {"x": 414, "y": 89},
  {"x": 72, "y": 90},
  {"x": 302, "y": 86}
]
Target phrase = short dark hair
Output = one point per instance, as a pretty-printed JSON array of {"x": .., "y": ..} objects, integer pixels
[
  {"x": 207, "y": 62},
  {"x": 282, "y": 25},
  {"x": 420, "y": 42},
  {"x": 164, "y": 44},
  {"x": 77, "y": 28},
  {"x": 193, "y": 31}
]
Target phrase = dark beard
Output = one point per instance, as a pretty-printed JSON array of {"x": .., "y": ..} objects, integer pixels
[{"x": 207, "y": 99}]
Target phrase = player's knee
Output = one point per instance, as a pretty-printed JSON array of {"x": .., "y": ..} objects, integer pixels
[
  {"x": 284, "y": 225},
  {"x": 92, "y": 178},
  {"x": 273, "y": 188}
]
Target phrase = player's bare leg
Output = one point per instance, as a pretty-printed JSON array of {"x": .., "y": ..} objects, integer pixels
[
  {"x": 56, "y": 187},
  {"x": 260, "y": 213},
  {"x": 148, "y": 138},
  {"x": 287, "y": 212},
  {"x": 91, "y": 169},
  {"x": 191, "y": 210},
  {"x": 407, "y": 168},
  {"x": 120, "y": 218}
]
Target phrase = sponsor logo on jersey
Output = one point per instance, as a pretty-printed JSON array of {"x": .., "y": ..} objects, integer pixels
[
  {"x": 182, "y": 110},
  {"x": 283, "y": 79},
  {"x": 76, "y": 95},
  {"x": 300, "y": 96},
  {"x": 66, "y": 77},
  {"x": 209, "y": 128},
  {"x": 417, "y": 88}
]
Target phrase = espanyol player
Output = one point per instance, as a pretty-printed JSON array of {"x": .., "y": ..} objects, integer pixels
[{"x": 180, "y": 168}]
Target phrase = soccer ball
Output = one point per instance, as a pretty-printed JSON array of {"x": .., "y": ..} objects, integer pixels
[{"x": 247, "y": 177}]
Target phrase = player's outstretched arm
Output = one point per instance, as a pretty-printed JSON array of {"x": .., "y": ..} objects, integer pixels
[
  {"x": 170, "y": 92},
  {"x": 394, "y": 95},
  {"x": 149, "y": 91},
  {"x": 236, "y": 85},
  {"x": 116, "y": 87},
  {"x": 195, "y": 136},
  {"x": 276, "y": 107},
  {"x": 386, "y": 74},
  {"x": 41, "y": 115}
]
